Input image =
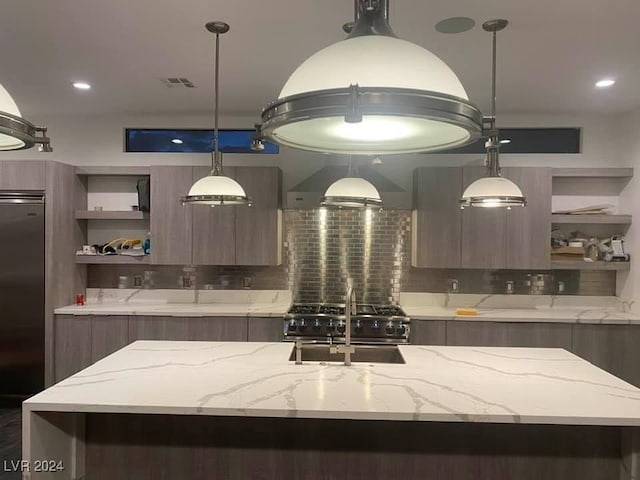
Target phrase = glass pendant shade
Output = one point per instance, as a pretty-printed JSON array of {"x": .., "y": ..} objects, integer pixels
[
  {"x": 352, "y": 192},
  {"x": 491, "y": 192},
  {"x": 217, "y": 190},
  {"x": 373, "y": 94},
  {"x": 16, "y": 133}
]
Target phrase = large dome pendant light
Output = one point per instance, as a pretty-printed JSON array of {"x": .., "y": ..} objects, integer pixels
[
  {"x": 372, "y": 93},
  {"x": 216, "y": 189},
  {"x": 16, "y": 133},
  {"x": 493, "y": 190},
  {"x": 351, "y": 192}
]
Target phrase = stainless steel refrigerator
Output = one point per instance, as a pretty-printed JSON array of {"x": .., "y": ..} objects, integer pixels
[{"x": 22, "y": 302}]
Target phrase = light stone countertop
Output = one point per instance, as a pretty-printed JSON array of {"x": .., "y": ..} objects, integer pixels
[
  {"x": 520, "y": 308},
  {"x": 183, "y": 303},
  {"x": 449, "y": 384}
]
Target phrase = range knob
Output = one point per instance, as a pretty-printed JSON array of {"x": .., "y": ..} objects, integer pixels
[
  {"x": 292, "y": 327},
  {"x": 358, "y": 327},
  {"x": 375, "y": 325},
  {"x": 331, "y": 327},
  {"x": 302, "y": 326},
  {"x": 389, "y": 328},
  {"x": 341, "y": 327},
  {"x": 317, "y": 325},
  {"x": 401, "y": 330}
]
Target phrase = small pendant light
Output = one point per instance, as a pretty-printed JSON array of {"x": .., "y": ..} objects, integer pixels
[
  {"x": 216, "y": 188},
  {"x": 372, "y": 93},
  {"x": 493, "y": 190},
  {"x": 351, "y": 192},
  {"x": 16, "y": 133}
]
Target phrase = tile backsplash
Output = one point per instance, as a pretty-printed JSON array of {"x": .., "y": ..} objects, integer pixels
[{"x": 323, "y": 247}]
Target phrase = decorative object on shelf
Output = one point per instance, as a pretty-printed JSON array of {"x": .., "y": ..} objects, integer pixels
[
  {"x": 373, "y": 93},
  {"x": 493, "y": 190},
  {"x": 16, "y": 133},
  {"x": 216, "y": 188},
  {"x": 351, "y": 192}
]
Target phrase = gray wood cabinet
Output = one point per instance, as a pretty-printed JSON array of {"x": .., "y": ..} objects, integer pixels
[
  {"x": 188, "y": 328},
  {"x": 614, "y": 348},
  {"x": 258, "y": 228},
  {"x": 214, "y": 229},
  {"x": 428, "y": 332},
  {"x": 503, "y": 334},
  {"x": 22, "y": 174},
  {"x": 108, "y": 334},
  {"x": 484, "y": 231},
  {"x": 265, "y": 329},
  {"x": 529, "y": 228},
  {"x": 72, "y": 345},
  {"x": 171, "y": 222},
  {"x": 437, "y": 219}
]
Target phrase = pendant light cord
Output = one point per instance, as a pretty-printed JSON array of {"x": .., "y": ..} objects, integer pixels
[{"x": 216, "y": 158}]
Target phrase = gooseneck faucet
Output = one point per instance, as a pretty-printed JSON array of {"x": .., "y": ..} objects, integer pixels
[{"x": 349, "y": 309}]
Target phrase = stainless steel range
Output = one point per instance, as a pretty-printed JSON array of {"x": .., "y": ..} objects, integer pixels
[{"x": 326, "y": 323}]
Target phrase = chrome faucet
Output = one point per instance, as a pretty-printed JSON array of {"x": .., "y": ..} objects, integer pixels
[{"x": 349, "y": 309}]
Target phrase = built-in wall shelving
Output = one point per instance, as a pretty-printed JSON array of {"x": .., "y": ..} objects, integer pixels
[
  {"x": 111, "y": 215},
  {"x": 593, "y": 172},
  {"x": 582, "y": 265},
  {"x": 112, "y": 259},
  {"x": 592, "y": 219}
]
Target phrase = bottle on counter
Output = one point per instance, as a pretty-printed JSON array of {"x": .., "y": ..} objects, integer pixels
[{"x": 147, "y": 244}]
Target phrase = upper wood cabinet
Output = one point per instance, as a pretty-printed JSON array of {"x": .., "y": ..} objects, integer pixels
[
  {"x": 214, "y": 229},
  {"x": 201, "y": 235},
  {"x": 171, "y": 222},
  {"x": 22, "y": 175},
  {"x": 494, "y": 238},
  {"x": 529, "y": 228},
  {"x": 437, "y": 219},
  {"x": 259, "y": 228}
]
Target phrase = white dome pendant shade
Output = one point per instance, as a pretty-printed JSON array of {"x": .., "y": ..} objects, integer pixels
[
  {"x": 493, "y": 190},
  {"x": 217, "y": 189},
  {"x": 373, "y": 93},
  {"x": 16, "y": 133},
  {"x": 351, "y": 192}
]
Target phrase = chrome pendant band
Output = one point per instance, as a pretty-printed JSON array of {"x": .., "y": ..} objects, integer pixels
[
  {"x": 494, "y": 201},
  {"x": 350, "y": 202},
  {"x": 216, "y": 200},
  {"x": 25, "y": 131}
]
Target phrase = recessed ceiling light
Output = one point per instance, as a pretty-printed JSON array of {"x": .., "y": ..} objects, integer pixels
[
  {"x": 604, "y": 83},
  {"x": 505, "y": 141},
  {"x": 81, "y": 85},
  {"x": 177, "y": 141}
]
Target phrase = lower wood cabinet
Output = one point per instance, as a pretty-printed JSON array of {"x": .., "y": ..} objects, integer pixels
[
  {"x": 614, "y": 348},
  {"x": 503, "y": 334},
  {"x": 72, "y": 345},
  {"x": 108, "y": 334},
  {"x": 428, "y": 332},
  {"x": 265, "y": 329},
  {"x": 188, "y": 328}
]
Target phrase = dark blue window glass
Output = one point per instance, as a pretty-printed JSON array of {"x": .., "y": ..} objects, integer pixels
[
  {"x": 530, "y": 140},
  {"x": 152, "y": 140}
]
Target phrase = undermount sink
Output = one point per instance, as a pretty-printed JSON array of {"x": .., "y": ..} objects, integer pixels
[{"x": 363, "y": 354}]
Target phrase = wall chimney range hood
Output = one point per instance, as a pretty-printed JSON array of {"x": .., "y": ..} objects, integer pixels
[{"x": 309, "y": 192}]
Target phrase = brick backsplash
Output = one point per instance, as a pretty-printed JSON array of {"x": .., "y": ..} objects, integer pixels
[{"x": 323, "y": 247}]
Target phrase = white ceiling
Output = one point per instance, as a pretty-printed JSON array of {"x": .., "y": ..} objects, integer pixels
[{"x": 549, "y": 57}]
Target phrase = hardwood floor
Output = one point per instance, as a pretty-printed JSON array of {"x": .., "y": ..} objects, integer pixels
[{"x": 10, "y": 440}]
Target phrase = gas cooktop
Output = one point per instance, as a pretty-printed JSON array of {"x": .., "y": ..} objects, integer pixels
[{"x": 325, "y": 322}]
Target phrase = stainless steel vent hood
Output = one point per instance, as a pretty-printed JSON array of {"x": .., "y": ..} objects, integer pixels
[{"x": 307, "y": 194}]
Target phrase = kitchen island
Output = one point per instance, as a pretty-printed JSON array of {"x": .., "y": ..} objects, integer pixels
[{"x": 244, "y": 410}]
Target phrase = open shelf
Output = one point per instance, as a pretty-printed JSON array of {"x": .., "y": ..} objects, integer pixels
[
  {"x": 114, "y": 170},
  {"x": 112, "y": 260},
  {"x": 581, "y": 265},
  {"x": 593, "y": 172},
  {"x": 592, "y": 219},
  {"x": 111, "y": 215}
]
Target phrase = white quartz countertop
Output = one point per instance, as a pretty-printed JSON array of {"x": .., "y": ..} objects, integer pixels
[
  {"x": 519, "y": 308},
  {"x": 449, "y": 384},
  {"x": 183, "y": 303}
]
